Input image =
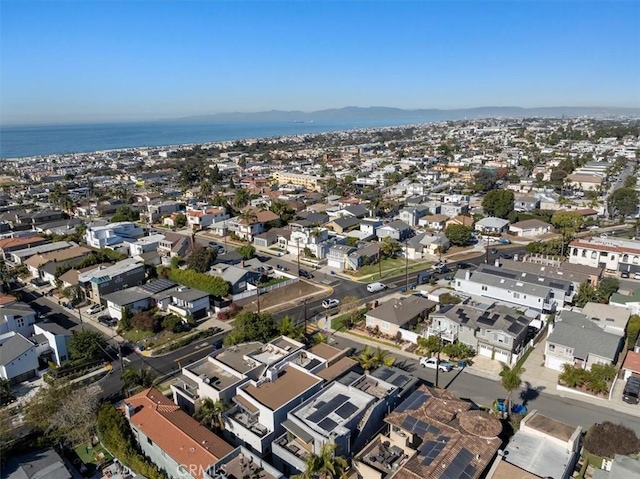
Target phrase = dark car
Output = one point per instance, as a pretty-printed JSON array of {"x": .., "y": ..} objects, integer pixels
[
  {"x": 631, "y": 393},
  {"x": 106, "y": 319},
  {"x": 506, "y": 256},
  {"x": 493, "y": 250},
  {"x": 624, "y": 274},
  {"x": 305, "y": 274},
  {"x": 464, "y": 266}
]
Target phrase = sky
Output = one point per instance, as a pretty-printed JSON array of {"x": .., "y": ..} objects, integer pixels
[{"x": 111, "y": 60}]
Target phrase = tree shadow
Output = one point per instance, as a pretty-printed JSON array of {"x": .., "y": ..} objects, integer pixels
[
  {"x": 405, "y": 365},
  {"x": 530, "y": 393}
]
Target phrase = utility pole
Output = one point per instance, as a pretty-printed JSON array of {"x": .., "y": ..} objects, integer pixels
[
  {"x": 486, "y": 260},
  {"x": 406, "y": 264},
  {"x": 439, "y": 333},
  {"x": 298, "y": 244},
  {"x": 304, "y": 302},
  {"x": 80, "y": 315},
  {"x": 379, "y": 263},
  {"x": 258, "y": 292}
]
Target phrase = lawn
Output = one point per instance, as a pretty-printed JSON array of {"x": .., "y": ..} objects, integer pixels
[
  {"x": 89, "y": 458},
  {"x": 135, "y": 336},
  {"x": 391, "y": 267},
  {"x": 273, "y": 281},
  {"x": 339, "y": 322}
]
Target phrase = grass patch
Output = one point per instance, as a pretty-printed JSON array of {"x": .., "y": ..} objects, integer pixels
[
  {"x": 339, "y": 323},
  {"x": 390, "y": 267},
  {"x": 136, "y": 335},
  {"x": 89, "y": 454},
  {"x": 273, "y": 281}
]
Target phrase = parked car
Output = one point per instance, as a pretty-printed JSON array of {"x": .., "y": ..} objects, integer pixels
[
  {"x": 432, "y": 363},
  {"x": 624, "y": 274},
  {"x": 506, "y": 256},
  {"x": 493, "y": 250},
  {"x": 376, "y": 287},
  {"x": 464, "y": 265},
  {"x": 305, "y": 274},
  {"x": 108, "y": 320},
  {"x": 515, "y": 407},
  {"x": 631, "y": 393},
  {"x": 330, "y": 303},
  {"x": 504, "y": 241},
  {"x": 636, "y": 276},
  {"x": 96, "y": 308}
]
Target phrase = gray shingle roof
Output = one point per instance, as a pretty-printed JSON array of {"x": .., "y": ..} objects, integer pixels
[
  {"x": 401, "y": 311},
  {"x": 585, "y": 338},
  {"x": 13, "y": 347},
  {"x": 127, "y": 296}
]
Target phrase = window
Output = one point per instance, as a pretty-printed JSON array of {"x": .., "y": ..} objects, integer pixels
[
  {"x": 584, "y": 253},
  {"x": 20, "y": 322},
  {"x": 385, "y": 325},
  {"x": 551, "y": 347},
  {"x": 594, "y": 255},
  {"x": 516, "y": 295},
  {"x": 625, "y": 258},
  {"x": 484, "y": 288},
  {"x": 575, "y": 252},
  {"x": 370, "y": 320},
  {"x": 149, "y": 441},
  {"x": 458, "y": 283},
  {"x": 568, "y": 352},
  {"x": 499, "y": 338},
  {"x": 635, "y": 260}
]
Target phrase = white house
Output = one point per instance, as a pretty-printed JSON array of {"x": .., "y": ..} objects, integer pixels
[
  {"x": 205, "y": 217},
  {"x": 492, "y": 225},
  {"x": 613, "y": 254},
  {"x": 17, "y": 317},
  {"x": 57, "y": 337},
  {"x": 530, "y": 228},
  {"x": 112, "y": 234},
  {"x": 184, "y": 302},
  {"x": 18, "y": 358}
]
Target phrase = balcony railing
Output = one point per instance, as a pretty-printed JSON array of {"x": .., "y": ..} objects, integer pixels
[
  {"x": 187, "y": 389},
  {"x": 249, "y": 422},
  {"x": 292, "y": 446},
  {"x": 446, "y": 335}
]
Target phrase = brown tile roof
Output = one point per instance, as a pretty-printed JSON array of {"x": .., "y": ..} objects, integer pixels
[
  {"x": 6, "y": 299},
  {"x": 290, "y": 384},
  {"x": 579, "y": 243},
  {"x": 443, "y": 410},
  {"x": 175, "y": 432},
  {"x": 19, "y": 241},
  {"x": 632, "y": 362}
]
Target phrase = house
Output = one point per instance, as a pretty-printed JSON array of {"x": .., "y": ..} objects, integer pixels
[
  {"x": 36, "y": 262},
  {"x": 526, "y": 204},
  {"x": 578, "y": 341},
  {"x": 494, "y": 331},
  {"x": 426, "y": 244},
  {"x": 354, "y": 211},
  {"x": 238, "y": 278},
  {"x": 241, "y": 463},
  {"x": 541, "y": 447},
  {"x": 612, "y": 254},
  {"x": 57, "y": 339},
  {"x": 155, "y": 211},
  {"x": 399, "y": 313},
  {"x": 344, "y": 224},
  {"x": 18, "y": 256},
  {"x": 170, "y": 438},
  {"x": 454, "y": 209},
  {"x": 432, "y": 434},
  {"x": 104, "y": 280},
  {"x": 584, "y": 182},
  {"x": 18, "y": 358},
  {"x": 367, "y": 254},
  {"x": 338, "y": 255},
  {"x": 275, "y": 236},
  {"x": 345, "y": 415},
  {"x": 492, "y": 225},
  {"x": 17, "y": 317},
  {"x": 132, "y": 300},
  {"x": 112, "y": 235},
  {"x": 174, "y": 244},
  {"x": 184, "y": 302},
  {"x": 146, "y": 244},
  {"x": 36, "y": 464},
  {"x": 621, "y": 467},
  {"x": 631, "y": 301},
  {"x": 262, "y": 405},
  {"x": 247, "y": 228},
  {"x": 412, "y": 214},
  {"x": 434, "y": 222},
  {"x": 611, "y": 318},
  {"x": 536, "y": 292},
  {"x": 631, "y": 365},
  {"x": 397, "y": 230},
  {"x": 530, "y": 228},
  {"x": 368, "y": 226},
  {"x": 8, "y": 245},
  {"x": 467, "y": 221},
  {"x": 205, "y": 217}
]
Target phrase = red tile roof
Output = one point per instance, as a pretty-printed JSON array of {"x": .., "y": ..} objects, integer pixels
[
  {"x": 584, "y": 243},
  {"x": 632, "y": 362},
  {"x": 19, "y": 241},
  {"x": 175, "y": 432}
]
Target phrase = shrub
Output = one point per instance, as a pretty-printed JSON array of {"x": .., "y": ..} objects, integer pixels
[
  {"x": 234, "y": 309},
  {"x": 608, "y": 439},
  {"x": 145, "y": 321},
  {"x": 172, "y": 323},
  {"x": 223, "y": 315},
  {"x": 448, "y": 298}
]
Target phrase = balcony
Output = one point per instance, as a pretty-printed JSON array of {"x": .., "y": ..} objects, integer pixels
[
  {"x": 446, "y": 335},
  {"x": 290, "y": 450},
  {"x": 186, "y": 389},
  {"x": 250, "y": 422}
]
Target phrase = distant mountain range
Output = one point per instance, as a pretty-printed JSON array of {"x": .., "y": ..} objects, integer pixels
[{"x": 430, "y": 114}]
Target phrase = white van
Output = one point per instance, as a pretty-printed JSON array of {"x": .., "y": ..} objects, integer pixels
[{"x": 376, "y": 287}]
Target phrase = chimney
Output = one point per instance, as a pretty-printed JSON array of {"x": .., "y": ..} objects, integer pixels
[
  {"x": 497, "y": 263},
  {"x": 516, "y": 257},
  {"x": 467, "y": 275}
]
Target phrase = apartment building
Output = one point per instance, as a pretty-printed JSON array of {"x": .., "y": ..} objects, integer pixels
[
  {"x": 612, "y": 254},
  {"x": 309, "y": 182},
  {"x": 108, "y": 279}
]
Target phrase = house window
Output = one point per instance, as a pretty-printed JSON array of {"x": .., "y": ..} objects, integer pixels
[
  {"x": 20, "y": 322},
  {"x": 635, "y": 260},
  {"x": 568, "y": 352},
  {"x": 516, "y": 295},
  {"x": 594, "y": 255},
  {"x": 149, "y": 441},
  {"x": 551, "y": 347},
  {"x": 385, "y": 325},
  {"x": 484, "y": 288},
  {"x": 499, "y": 338},
  {"x": 575, "y": 252},
  {"x": 625, "y": 258},
  {"x": 584, "y": 253},
  {"x": 370, "y": 320},
  {"x": 458, "y": 283}
]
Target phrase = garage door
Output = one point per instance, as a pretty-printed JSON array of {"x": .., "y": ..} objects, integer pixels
[
  {"x": 553, "y": 363},
  {"x": 484, "y": 351},
  {"x": 503, "y": 356},
  {"x": 201, "y": 313}
]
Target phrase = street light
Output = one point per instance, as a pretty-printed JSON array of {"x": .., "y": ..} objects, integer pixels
[{"x": 488, "y": 244}]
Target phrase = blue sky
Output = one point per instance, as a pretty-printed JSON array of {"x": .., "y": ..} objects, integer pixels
[{"x": 119, "y": 60}]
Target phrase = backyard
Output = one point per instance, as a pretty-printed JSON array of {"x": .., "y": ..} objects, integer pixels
[{"x": 88, "y": 459}]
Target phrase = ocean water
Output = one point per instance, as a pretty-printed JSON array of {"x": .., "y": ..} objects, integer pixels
[{"x": 21, "y": 141}]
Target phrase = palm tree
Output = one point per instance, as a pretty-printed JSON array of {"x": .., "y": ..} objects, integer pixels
[
  {"x": 134, "y": 377},
  {"x": 370, "y": 359},
  {"x": 325, "y": 465},
  {"x": 511, "y": 381},
  {"x": 247, "y": 216},
  {"x": 287, "y": 327},
  {"x": 210, "y": 414}
]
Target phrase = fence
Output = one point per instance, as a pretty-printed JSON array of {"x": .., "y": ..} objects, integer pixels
[{"x": 252, "y": 293}]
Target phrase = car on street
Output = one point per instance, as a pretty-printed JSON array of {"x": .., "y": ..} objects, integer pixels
[
  {"x": 376, "y": 287},
  {"x": 631, "y": 393},
  {"x": 108, "y": 320},
  {"x": 493, "y": 250},
  {"x": 305, "y": 274},
  {"x": 636, "y": 276},
  {"x": 504, "y": 241},
  {"x": 624, "y": 274},
  {"x": 506, "y": 256},
  {"x": 516, "y": 408},
  {"x": 432, "y": 363},
  {"x": 464, "y": 266},
  {"x": 96, "y": 308},
  {"x": 330, "y": 303}
]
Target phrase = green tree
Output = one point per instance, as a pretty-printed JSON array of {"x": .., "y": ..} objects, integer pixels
[
  {"x": 180, "y": 221},
  {"x": 241, "y": 198},
  {"x": 213, "y": 285},
  {"x": 352, "y": 241},
  {"x": 632, "y": 331},
  {"x": 572, "y": 376},
  {"x": 371, "y": 359},
  {"x": 125, "y": 320},
  {"x": 137, "y": 377},
  {"x": 5, "y": 391},
  {"x": 606, "y": 288},
  {"x": 74, "y": 294},
  {"x": 86, "y": 345},
  {"x": 429, "y": 345},
  {"x": 251, "y": 326},
  {"x": 283, "y": 210},
  {"x": 608, "y": 439},
  {"x": 630, "y": 181},
  {"x": 484, "y": 180},
  {"x": 201, "y": 258},
  {"x": 390, "y": 247},
  {"x": 511, "y": 381},
  {"x": 498, "y": 203},
  {"x": 586, "y": 293},
  {"x": 287, "y": 327},
  {"x": 325, "y": 465},
  {"x": 210, "y": 414},
  {"x": 125, "y": 213},
  {"x": 247, "y": 251},
  {"x": 569, "y": 223},
  {"x": 623, "y": 202},
  {"x": 458, "y": 235}
]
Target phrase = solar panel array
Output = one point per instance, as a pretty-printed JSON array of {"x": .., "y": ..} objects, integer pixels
[
  {"x": 413, "y": 402},
  {"x": 383, "y": 373},
  {"x": 346, "y": 410},
  {"x": 323, "y": 411},
  {"x": 158, "y": 285},
  {"x": 430, "y": 450},
  {"x": 419, "y": 427},
  {"x": 327, "y": 424},
  {"x": 460, "y": 467},
  {"x": 400, "y": 381}
]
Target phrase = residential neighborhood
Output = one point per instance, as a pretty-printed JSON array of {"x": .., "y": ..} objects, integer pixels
[{"x": 458, "y": 299}]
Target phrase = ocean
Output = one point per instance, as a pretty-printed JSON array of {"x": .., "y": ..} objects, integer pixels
[{"x": 22, "y": 141}]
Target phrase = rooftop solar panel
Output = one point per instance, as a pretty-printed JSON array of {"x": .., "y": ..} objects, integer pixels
[
  {"x": 400, "y": 381},
  {"x": 383, "y": 373},
  {"x": 327, "y": 424},
  {"x": 458, "y": 467},
  {"x": 346, "y": 410},
  {"x": 413, "y": 402},
  {"x": 430, "y": 450},
  {"x": 328, "y": 408}
]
